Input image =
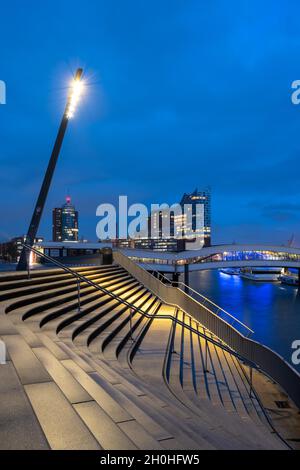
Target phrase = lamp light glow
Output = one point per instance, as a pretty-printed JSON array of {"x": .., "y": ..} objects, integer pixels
[{"x": 77, "y": 88}]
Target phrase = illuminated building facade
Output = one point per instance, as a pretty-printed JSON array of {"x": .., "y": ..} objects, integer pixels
[
  {"x": 65, "y": 223},
  {"x": 11, "y": 250},
  {"x": 171, "y": 229},
  {"x": 195, "y": 198}
]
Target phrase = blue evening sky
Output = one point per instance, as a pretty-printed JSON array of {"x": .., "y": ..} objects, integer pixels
[{"x": 182, "y": 94}]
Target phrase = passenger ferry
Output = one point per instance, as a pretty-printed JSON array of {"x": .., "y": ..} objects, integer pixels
[
  {"x": 230, "y": 271},
  {"x": 261, "y": 274}
]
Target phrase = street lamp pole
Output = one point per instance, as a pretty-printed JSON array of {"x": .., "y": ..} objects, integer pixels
[{"x": 39, "y": 207}]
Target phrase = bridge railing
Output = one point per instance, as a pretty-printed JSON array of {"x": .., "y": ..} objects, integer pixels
[
  {"x": 248, "y": 256},
  {"x": 212, "y": 306},
  {"x": 268, "y": 360}
]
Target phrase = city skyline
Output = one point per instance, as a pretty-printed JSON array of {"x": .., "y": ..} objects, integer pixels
[{"x": 194, "y": 93}]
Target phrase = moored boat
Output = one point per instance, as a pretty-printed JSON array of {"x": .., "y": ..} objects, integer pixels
[
  {"x": 289, "y": 279},
  {"x": 261, "y": 274}
]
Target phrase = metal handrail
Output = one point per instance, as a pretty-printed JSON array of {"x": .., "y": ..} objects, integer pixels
[
  {"x": 60, "y": 265},
  {"x": 140, "y": 311},
  {"x": 175, "y": 321},
  {"x": 249, "y": 333}
]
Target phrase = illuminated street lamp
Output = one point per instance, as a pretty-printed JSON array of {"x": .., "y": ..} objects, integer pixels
[
  {"x": 75, "y": 93},
  {"x": 77, "y": 87}
]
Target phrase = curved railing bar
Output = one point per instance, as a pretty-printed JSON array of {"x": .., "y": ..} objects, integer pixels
[{"x": 219, "y": 309}]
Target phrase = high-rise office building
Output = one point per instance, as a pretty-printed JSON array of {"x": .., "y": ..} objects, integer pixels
[
  {"x": 65, "y": 223},
  {"x": 190, "y": 227},
  {"x": 169, "y": 230},
  {"x": 184, "y": 224},
  {"x": 56, "y": 225}
]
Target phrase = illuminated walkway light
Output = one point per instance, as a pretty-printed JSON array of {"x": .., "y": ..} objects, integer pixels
[{"x": 72, "y": 102}]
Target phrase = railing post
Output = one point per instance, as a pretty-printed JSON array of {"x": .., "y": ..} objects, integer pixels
[
  {"x": 206, "y": 357},
  {"x": 251, "y": 381},
  {"x": 2, "y": 352},
  {"x": 130, "y": 323},
  {"x": 78, "y": 294},
  {"x": 186, "y": 278},
  {"x": 28, "y": 264}
]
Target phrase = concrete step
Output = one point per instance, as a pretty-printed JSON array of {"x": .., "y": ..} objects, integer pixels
[
  {"x": 48, "y": 284},
  {"x": 12, "y": 279},
  {"x": 145, "y": 419},
  {"x": 77, "y": 324},
  {"x": 20, "y": 429},
  {"x": 72, "y": 390},
  {"x": 108, "y": 434},
  {"x": 45, "y": 316},
  {"x": 127, "y": 348},
  {"x": 59, "y": 294},
  {"x": 99, "y": 325},
  {"x": 109, "y": 405},
  {"x": 121, "y": 333},
  {"x": 58, "y": 419},
  {"x": 28, "y": 367}
]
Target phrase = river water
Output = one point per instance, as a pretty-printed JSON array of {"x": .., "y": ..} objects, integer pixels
[{"x": 271, "y": 309}]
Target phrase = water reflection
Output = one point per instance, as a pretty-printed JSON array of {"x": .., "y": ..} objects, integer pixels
[{"x": 272, "y": 310}]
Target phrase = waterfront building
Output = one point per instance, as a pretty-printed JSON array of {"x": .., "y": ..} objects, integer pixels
[
  {"x": 65, "y": 223},
  {"x": 11, "y": 250},
  {"x": 169, "y": 231},
  {"x": 190, "y": 227}
]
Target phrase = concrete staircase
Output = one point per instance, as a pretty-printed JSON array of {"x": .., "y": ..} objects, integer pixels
[{"x": 104, "y": 379}]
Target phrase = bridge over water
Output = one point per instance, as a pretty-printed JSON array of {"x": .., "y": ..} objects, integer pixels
[{"x": 216, "y": 257}]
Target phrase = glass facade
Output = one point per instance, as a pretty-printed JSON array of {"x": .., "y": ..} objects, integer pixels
[
  {"x": 65, "y": 223},
  {"x": 190, "y": 226},
  {"x": 169, "y": 229}
]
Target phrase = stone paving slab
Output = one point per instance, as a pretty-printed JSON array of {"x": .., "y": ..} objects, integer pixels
[
  {"x": 61, "y": 424},
  {"x": 6, "y": 326},
  {"x": 54, "y": 347},
  {"x": 74, "y": 354},
  {"x": 19, "y": 427},
  {"x": 28, "y": 367},
  {"x": 109, "y": 405},
  {"x": 62, "y": 377},
  {"x": 139, "y": 435},
  {"x": 31, "y": 338},
  {"x": 104, "y": 429},
  {"x": 146, "y": 420}
]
